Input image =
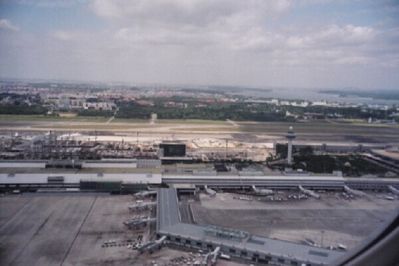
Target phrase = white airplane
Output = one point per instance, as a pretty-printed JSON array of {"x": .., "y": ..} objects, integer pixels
[
  {"x": 210, "y": 191},
  {"x": 389, "y": 198},
  {"x": 262, "y": 191},
  {"x": 394, "y": 190},
  {"x": 145, "y": 193},
  {"x": 211, "y": 257},
  {"x": 142, "y": 206},
  {"x": 354, "y": 192},
  {"x": 309, "y": 192}
]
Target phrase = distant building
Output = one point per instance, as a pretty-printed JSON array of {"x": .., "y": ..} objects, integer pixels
[
  {"x": 76, "y": 103},
  {"x": 145, "y": 103},
  {"x": 320, "y": 103},
  {"x": 100, "y": 106}
]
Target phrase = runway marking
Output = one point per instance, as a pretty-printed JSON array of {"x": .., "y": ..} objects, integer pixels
[
  {"x": 80, "y": 228},
  {"x": 231, "y": 122},
  {"x": 110, "y": 120}
]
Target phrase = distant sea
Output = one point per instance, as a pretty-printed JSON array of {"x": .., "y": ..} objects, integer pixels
[{"x": 313, "y": 95}]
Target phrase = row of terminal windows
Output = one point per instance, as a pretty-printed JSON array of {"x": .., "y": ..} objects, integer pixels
[
  {"x": 233, "y": 251},
  {"x": 293, "y": 262},
  {"x": 187, "y": 241}
]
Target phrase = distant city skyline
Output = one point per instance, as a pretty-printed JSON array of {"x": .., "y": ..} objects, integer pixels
[{"x": 255, "y": 43}]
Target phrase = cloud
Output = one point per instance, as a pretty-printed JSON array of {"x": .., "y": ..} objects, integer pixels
[
  {"x": 231, "y": 25},
  {"x": 196, "y": 23},
  {"x": 328, "y": 45},
  {"x": 251, "y": 42},
  {"x": 64, "y": 35},
  {"x": 196, "y": 12},
  {"x": 5, "y": 24},
  {"x": 50, "y": 3},
  {"x": 330, "y": 41},
  {"x": 348, "y": 34},
  {"x": 184, "y": 36}
]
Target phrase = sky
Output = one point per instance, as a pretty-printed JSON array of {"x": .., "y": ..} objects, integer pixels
[{"x": 257, "y": 43}]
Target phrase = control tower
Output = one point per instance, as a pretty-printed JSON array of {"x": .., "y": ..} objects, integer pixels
[{"x": 290, "y": 136}]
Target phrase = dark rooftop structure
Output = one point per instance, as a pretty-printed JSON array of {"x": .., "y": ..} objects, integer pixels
[{"x": 173, "y": 149}]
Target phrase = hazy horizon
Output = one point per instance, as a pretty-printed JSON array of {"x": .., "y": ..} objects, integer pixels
[
  {"x": 187, "y": 85},
  {"x": 315, "y": 44}
]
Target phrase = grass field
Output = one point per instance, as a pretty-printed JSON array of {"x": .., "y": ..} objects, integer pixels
[
  {"x": 29, "y": 118},
  {"x": 51, "y": 118}
]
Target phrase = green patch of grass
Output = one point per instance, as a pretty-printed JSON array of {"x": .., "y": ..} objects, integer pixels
[
  {"x": 191, "y": 121},
  {"x": 130, "y": 120},
  {"x": 50, "y": 118}
]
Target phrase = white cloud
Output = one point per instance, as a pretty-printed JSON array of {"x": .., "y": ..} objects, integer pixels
[
  {"x": 5, "y": 24},
  {"x": 50, "y": 3},
  {"x": 229, "y": 25},
  {"x": 197, "y": 12},
  {"x": 63, "y": 35},
  {"x": 348, "y": 34},
  {"x": 353, "y": 60},
  {"x": 329, "y": 45},
  {"x": 252, "y": 42}
]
